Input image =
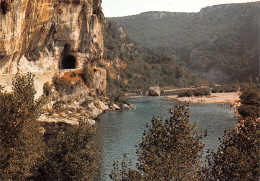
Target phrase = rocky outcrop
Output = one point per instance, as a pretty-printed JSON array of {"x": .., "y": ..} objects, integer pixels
[
  {"x": 49, "y": 35},
  {"x": 71, "y": 108},
  {"x": 100, "y": 81},
  {"x": 114, "y": 107},
  {"x": 115, "y": 29},
  {"x": 154, "y": 91}
]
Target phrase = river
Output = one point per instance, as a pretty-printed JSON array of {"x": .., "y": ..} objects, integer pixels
[{"x": 121, "y": 131}]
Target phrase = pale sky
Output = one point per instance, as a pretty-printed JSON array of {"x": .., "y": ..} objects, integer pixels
[{"x": 114, "y": 8}]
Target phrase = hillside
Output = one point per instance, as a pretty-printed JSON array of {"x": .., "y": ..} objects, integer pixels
[
  {"x": 222, "y": 41},
  {"x": 131, "y": 66}
]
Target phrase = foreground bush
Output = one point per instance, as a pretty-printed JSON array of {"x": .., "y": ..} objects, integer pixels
[
  {"x": 71, "y": 155},
  {"x": 170, "y": 149},
  {"x": 237, "y": 157},
  {"x": 21, "y": 143}
]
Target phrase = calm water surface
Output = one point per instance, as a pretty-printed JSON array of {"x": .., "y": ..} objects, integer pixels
[{"x": 121, "y": 130}]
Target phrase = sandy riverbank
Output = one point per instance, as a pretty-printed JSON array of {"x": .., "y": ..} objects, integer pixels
[{"x": 231, "y": 97}]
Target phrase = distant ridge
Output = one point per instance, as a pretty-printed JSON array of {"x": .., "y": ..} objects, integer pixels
[{"x": 218, "y": 40}]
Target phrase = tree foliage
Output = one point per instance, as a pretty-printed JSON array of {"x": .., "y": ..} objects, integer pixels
[
  {"x": 21, "y": 143},
  {"x": 237, "y": 157},
  {"x": 250, "y": 100},
  {"x": 170, "y": 150},
  {"x": 71, "y": 155},
  {"x": 125, "y": 171}
]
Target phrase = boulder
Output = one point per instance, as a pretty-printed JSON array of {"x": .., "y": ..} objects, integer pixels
[
  {"x": 91, "y": 121},
  {"x": 94, "y": 111},
  {"x": 139, "y": 91},
  {"x": 101, "y": 105},
  {"x": 125, "y": 106},
  {"x": 114, "y": 107},
  {"x": 154, "y": 91},
  {"x": 132, "y": 106}
]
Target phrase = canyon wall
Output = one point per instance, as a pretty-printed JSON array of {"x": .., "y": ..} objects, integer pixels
[{"x": 48, "y": 35}]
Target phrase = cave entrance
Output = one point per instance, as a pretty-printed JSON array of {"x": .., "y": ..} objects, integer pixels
[{"x": 68, "y": 62}]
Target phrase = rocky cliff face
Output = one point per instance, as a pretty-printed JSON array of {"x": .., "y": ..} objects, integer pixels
[{"x": 50, "y": 35}]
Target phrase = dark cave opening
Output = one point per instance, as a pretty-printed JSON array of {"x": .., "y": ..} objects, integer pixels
[{"x": 68, "y": 62}]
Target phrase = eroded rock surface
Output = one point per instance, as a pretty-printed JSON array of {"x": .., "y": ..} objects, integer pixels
[
  {"x": 47, "y": 34},
  {"x": 154, "y": 91}
]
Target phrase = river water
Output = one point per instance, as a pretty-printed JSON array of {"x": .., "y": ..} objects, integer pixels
[{"x": 121, "y": 131}]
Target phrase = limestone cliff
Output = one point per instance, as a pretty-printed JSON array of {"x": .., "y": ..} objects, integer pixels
[{"x": 47, "y": 35}]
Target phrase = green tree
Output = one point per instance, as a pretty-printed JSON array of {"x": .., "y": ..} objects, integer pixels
[
  {"x": 250, "y": 100},
  {"x": 21, "y": 143},
  {"x": 71, "y": 155},
  {"x": 170, "y": 150},
  {"x": 237, "y": 157},
  {"x": 126, "y": 172}
]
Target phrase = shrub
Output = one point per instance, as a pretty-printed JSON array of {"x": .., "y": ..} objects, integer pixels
[
  {"x": 75, "y": 2},
  {"x": 248, "y": 111},
  {"x": 237, "y": 157},
  {"x": 87, "y": 76},
  {"x": 206, "y": 91},
  {"x": 225, "y": 88},
  {"x": 97, "y": 10},
  {"x": 189, "y": 93},
  {"x": 47, "y": 89},
  {"x": 21, "y": 143},
  {"x": 71, "y": 155},
  {"x": 214, "y": 90},
  {"x": 181, "y": 94},
  {"x": 62, "y": 85},
  {"x": 73, "y": 74},
  {"x": 197, "y": 92},
  {"x": 250, "y": 103}
]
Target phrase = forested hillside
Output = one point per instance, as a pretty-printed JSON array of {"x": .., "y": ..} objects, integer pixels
[
  {"x": 221, "y": 42},
  {"x": 137, "y": 67}
]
